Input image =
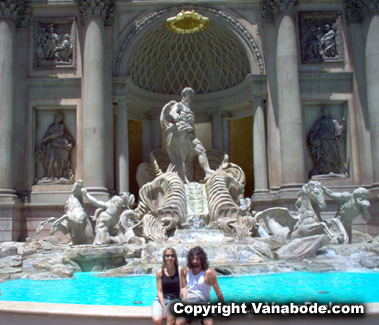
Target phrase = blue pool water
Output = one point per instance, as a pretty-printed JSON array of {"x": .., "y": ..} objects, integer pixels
[{"x": 297, "y": 287}]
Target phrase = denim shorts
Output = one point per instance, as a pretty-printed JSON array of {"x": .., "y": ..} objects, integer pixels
[{"x": 157, "y": 310}]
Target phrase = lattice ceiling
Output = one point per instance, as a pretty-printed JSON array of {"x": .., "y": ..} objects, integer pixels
[{"x": 210, "y": 60}]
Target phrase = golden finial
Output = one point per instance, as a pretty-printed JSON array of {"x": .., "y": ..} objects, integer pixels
[{"x": 187, "y": 22}]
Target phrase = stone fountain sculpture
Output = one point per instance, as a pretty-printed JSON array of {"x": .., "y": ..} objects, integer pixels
[
  {"x": 187, "y": 187},
  {"x": 75, "y": 221},
  {"x": 187, "y": 180},
  {"x": 308, "y": 221}
]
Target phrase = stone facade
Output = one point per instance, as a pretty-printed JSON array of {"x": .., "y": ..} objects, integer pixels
[{"x": 110, "y": 66}]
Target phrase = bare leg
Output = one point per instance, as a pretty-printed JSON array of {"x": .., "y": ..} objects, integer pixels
[
  {"x": 203, "y": 161},
  {"x": 158, "y": 320}
]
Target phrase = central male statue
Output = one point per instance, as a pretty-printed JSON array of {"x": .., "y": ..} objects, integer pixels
[{"x": 181, "y": 143}]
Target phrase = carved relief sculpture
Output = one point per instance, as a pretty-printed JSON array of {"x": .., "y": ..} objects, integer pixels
[
  {"x": 55, "y": 43},
  {"x": 54, "y": 153},
  {"x": 321, "y": 37},
  {"x": 323, "y": 144}
]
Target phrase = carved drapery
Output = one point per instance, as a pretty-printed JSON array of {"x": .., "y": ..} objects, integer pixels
[
  {"x": 98, "y": 8},
  {"x": 55, "y": 42},
  {"x": 321, "y": 37}
]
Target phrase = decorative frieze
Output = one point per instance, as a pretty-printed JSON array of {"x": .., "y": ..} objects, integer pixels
[
  {"x": 321, "y": 37},
  {"x": 98, "y": 8},
  {"x": 17, "y": 10},
  {"x": 55, "y": 42}
]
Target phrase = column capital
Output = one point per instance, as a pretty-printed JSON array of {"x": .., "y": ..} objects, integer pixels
[
  {"x": 215, "y": 113},
  {"x": 121, "y": 100},
  {"x": 356, "y": 9},
  {"x": 97, "y": 8},
  {"x": 17, "y": 10},
  {"x": 271, "y": 7}
]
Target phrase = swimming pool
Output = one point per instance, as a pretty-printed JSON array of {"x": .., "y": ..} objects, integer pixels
[{"x": 86, "y": 288}]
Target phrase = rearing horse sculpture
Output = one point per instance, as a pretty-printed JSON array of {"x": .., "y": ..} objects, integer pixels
[{"x": 308, "y": 221}]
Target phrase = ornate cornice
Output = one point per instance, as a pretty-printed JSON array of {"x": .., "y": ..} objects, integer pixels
[
  {"x": 16, "y": 10},
  {"x": 97, "y": 8},
  {"x": 356, "y": 9}
]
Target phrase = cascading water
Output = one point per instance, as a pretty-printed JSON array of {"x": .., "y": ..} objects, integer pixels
[{"x": 197, "y": 205}]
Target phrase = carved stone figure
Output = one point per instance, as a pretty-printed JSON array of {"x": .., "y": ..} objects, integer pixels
[
  {"x": 323, "y": 144},
  {"x": 107, "y": 216},
  {"x": 63, "y": 52},
  {"x": 308, "y": 221},
  {"x": 182, "y": 145},
  {"x": 164, "y": 198},
  {"x": 321, "y": 37},
  {"x": 54, "y": 152},
  {"x": 329, "y": 41},
  {"x": 352, "y": 205},
  {"x": 75, "y": 221},
  {"x": 55, "y": 42}
]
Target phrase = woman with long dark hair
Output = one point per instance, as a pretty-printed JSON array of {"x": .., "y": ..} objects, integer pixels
[{"x": 171, "y": 286}]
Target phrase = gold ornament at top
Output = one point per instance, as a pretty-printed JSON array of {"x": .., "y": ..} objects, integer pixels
[{"x": 187, "y": 22}]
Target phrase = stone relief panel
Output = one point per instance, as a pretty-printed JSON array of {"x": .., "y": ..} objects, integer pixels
[
  {"x": 55, "y": 158},
  {"x": 55, "y": 43},
  {"x": 321, "y": 37}
]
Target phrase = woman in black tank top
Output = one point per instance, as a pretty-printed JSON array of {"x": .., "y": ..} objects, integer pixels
[{"x": 171, "y": 285}]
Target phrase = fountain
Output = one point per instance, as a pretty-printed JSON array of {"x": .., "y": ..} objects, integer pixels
[{"x": 189, "y": 196}]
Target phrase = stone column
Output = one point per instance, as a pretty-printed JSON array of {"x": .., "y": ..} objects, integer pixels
[
  {"x": 217, "y": 133},
  {"x": 361, "y": 148},
  {"x": 122, "y": 146},
  {"x": 259, "y": 147},
  {"x": 292, "y": 138},
  {"x": 93, "y": 95},
  {"x": 9, "y": 12},
  {"x": 371, "y": 22},
  {"x": 156, "y": 134},
  {"x": 225, "y": 133},
  {"x": 146, "y": 138}
]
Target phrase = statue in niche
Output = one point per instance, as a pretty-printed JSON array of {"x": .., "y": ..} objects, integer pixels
[
  {"x": 323, "y": 144},
  {"x": 108, "y": 216},
  {"x": 54, "y": 153},
  {"x": 182, "y": 145},
  {"x": 352, "y": 205}
]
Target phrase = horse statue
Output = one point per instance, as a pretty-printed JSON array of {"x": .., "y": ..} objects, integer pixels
[
  {"x": 308, "y": 221},
  {"x": 75, "y": 221}
]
